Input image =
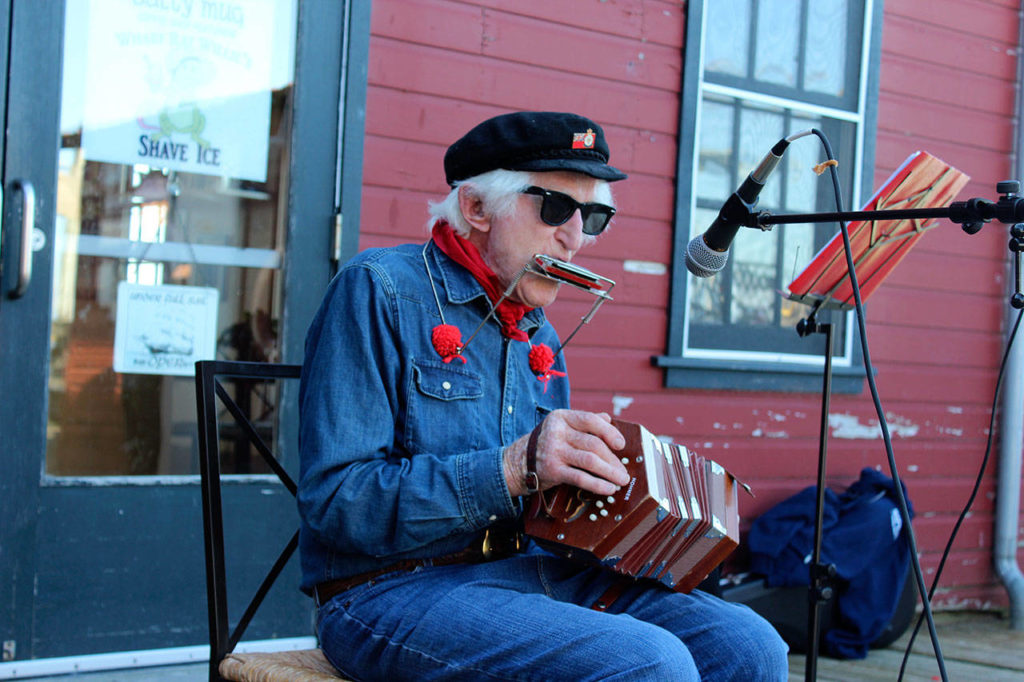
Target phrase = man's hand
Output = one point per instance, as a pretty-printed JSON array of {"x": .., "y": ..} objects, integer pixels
[{"x": 574, "y": 447}]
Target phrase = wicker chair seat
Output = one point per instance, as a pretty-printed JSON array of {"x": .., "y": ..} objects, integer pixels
[{"x": 308, "y": 665}]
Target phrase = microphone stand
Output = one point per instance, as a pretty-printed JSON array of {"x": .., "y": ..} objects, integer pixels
[
  {"x": 971, "y": 215},
  {"x": 820, "y": 586}
]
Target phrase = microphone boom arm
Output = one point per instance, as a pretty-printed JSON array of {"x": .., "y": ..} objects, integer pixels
[{"x": 971, "y": 214}]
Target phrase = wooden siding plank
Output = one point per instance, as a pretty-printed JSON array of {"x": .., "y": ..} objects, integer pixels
[
  {"x": 919, "y": 307},
  {"x": 431, "y": 119},
  {"x": 985, "y": 166},
  {"x": 947, "y": 270},
  {"x": 696, "y": 416},
  {"x": 658, "y": 22},
  {"x": 902, "y": 344},
  {"x": 954, "y": 385},
  {"x": 432, "y": 70},
  {"x": 910, "y": 37},
  {"x": 540, "y": 43},
  {"x": 904, "y": 114},
  {"x": 796, "y": 458},
  {"x": 523, "y": 38},
  {"x": 971, "y": 91},
  {"x": 983, "y": 19},
  {"x": 454, "y": 25}
]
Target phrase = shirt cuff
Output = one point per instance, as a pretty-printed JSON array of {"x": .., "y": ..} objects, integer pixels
[{"x": 482, "y": 488}]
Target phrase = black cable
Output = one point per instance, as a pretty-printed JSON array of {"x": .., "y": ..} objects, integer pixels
[
  {"x": 974, "y": 492},
  {"x": 869, "y": 371}
]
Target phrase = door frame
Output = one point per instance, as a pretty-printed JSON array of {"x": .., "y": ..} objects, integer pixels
[
  {"x": 329, "y": 95},
  {"x": 28, "y": 156}
]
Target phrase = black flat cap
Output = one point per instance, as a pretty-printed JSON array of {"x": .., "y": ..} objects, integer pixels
[{"x": 531, "y": 141}]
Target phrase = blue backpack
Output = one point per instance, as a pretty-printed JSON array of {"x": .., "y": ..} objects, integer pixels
[{"x": 862, "y": 536}]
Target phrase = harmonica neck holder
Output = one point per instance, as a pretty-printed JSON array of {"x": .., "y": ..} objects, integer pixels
[{"x": 576, "y": 276}]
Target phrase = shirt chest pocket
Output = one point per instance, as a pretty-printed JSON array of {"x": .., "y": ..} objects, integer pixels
[
  {"x": 446, "y": 410},
  {"x": 445, "y": 382}
]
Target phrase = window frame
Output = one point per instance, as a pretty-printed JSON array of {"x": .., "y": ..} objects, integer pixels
[{"x": 757, "y": 371}]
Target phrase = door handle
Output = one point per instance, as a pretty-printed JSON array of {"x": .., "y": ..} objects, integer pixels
[{"x": 28, "y": 223}]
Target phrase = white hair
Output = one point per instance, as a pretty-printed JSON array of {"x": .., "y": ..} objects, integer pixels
[{"x": 498, "y": 189}]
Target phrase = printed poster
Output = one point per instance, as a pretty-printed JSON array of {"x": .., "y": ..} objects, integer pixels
[
  {"x": 164, "y": 329},
  {"x": 180, "y": 84}
]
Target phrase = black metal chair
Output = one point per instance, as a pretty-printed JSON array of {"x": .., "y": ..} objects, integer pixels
[{"x": 224, "y": 664}]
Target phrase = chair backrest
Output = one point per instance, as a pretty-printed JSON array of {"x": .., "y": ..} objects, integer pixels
[{"x": 208, "y": 390}]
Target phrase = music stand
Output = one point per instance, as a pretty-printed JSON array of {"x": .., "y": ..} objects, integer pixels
[
  {"x": 877, "y": 246},
  {"x": 922, "y": 181}
]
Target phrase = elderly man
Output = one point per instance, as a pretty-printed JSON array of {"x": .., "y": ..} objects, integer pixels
[{"x": 428, "y": 368}]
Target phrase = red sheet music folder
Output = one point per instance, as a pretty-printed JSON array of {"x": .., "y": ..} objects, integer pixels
[{"x": 922, "y": 181}]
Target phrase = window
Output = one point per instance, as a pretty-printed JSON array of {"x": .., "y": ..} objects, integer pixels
[{"x": 757, "y": 71}]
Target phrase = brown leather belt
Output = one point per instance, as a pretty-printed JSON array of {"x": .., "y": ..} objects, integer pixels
[{"x": 494, "y": 546}]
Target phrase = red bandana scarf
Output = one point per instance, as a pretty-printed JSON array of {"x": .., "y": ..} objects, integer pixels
[
  {"x": 508, "y": 312},
  {"x": 446, "y": 338}
]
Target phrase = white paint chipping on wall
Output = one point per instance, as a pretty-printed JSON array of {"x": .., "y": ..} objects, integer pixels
[
  {"x": 644, "y": 267},
  {"x": 619, "y": 403},
  {"x": 849, "y": 426},
  {"x": 761, "y": 433},
  {"x": 954, "y": 604},
  {"x": 952, "y": 409}
]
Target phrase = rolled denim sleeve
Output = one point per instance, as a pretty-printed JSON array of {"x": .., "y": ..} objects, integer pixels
[{"x": 375, "y": 480}]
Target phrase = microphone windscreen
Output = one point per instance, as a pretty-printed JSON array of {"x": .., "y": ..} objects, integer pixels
[{"x": 702, "y": 260}]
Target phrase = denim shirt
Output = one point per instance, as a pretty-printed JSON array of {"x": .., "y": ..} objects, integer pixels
[{"x": 401, "y": 453}]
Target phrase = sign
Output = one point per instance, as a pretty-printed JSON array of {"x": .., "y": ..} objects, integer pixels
[
  {"x": 180, "y": 84},
  {"x": 164, "y": 329}
]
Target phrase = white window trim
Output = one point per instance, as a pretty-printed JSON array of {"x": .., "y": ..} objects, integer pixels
[{"x": 856, "y": 117}]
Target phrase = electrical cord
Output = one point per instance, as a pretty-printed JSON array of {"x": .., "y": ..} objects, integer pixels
[
  {"x": 869, "y": 371},
  {"x": 974, "y": 491}
]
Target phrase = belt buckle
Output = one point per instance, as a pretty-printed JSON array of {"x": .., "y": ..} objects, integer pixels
[{"x": 492, "y": 544}]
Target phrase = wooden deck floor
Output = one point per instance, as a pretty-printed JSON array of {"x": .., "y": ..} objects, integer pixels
[{"x": 976, "y": 647}]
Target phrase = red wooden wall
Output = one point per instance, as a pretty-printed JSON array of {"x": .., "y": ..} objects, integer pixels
[{"x": 437, "y": 67}]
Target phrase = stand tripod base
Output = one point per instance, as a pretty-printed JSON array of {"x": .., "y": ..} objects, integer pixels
[{"x": 786, "y": 609}]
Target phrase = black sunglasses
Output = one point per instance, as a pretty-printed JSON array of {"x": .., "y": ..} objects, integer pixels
[{"x": 556, "y": 208}]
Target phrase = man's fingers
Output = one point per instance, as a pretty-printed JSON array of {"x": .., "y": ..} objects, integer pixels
[
  {"x": 589, "y": 480},
  {"x": 591, "y": 454},
  {"x": 578, "y": 448},
  {"x": 599, "y": 425}
]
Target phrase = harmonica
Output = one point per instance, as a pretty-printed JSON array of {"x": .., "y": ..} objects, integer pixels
[{"x": 568, "y": 273}]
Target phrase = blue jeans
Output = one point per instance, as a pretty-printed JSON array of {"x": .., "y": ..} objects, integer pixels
[{"x": 528, "y": 618}]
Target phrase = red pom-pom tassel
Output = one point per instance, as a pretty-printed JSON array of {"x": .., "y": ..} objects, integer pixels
[
  {"x": 447, "y": 340},
  {"x": 541, "y": 360}
]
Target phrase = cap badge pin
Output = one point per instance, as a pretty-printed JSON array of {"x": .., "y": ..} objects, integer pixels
[{"x": 583, "y": 140}]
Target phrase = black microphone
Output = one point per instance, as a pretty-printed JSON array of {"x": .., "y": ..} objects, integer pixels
[{"x": 707, "y": 253}]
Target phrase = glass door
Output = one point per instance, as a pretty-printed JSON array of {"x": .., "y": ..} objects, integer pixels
[
  {"x": 170, "y": 224},
  {"x": 154, "y": 181}
]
